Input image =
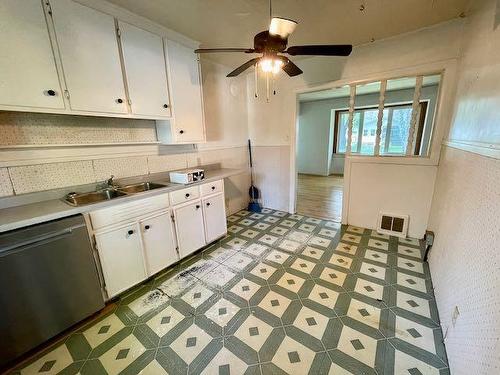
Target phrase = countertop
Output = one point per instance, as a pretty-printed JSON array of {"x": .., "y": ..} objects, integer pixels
[{"x": 36, "y": 213}]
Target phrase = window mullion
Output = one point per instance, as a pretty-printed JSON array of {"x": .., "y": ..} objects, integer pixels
[
  {"x": 360, "y": 130},
  {"x": 350, "y": 119},
  {"x": 381, "y": 101},
  {"x": 414, "y": 115},
  {"x": 388, "y": 131}
]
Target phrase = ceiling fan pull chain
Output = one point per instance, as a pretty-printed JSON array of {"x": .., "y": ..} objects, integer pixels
[
  {"x": 267, "y": 87},
  {"x": 256, "y": 81}
]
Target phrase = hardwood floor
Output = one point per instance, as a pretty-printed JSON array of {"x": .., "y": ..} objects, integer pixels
[{"x": 320, "y": 196}]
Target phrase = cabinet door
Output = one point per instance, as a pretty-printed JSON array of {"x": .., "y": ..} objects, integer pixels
[
  {"x": 28, "y": 75},
  {"x": 120, "y": 253},
  {"x": 91, "y": 61},
  {"x": 214, "y": 214},
  {"x": 186, "y": 93},
  {"x": 189, "y": 228},
  {"x": 145, "y": 69},
  {"x": 158, "y": 240}
]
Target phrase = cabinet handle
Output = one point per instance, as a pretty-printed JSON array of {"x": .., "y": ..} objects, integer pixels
[
  {"x": 213, "y": 187},
  {"x": 51, "y": 92},
  {"x": 165, "y": 105},
  {"x": 147, "y": 227},
  {"x": 181, "y": 131},
  {"x": 187, "y": 195},
  {"x": 208, "y": 204},
  {"x": 197, "y": 206},
  {"x": 130, "y": 232},
  {"x": 119, "y": 101}
]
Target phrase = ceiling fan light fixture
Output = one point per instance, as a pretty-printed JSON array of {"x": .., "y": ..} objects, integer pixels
[
  {"x": 282, "y": 27},
  {"x": 270, "y": 65}
]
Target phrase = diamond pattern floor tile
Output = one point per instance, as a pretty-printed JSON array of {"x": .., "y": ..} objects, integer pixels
[
  {"x": 282, "y": 294},
  {"x": 293, "y": 357}
]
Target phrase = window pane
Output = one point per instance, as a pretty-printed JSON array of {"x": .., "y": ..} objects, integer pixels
[
  {"x": 342, "y": 135},
  {"x": 355, "y": 132},
  {"x": 366, "y": 105},
  {"x": 399, "y": 99},
  {"x": 401, "y": 118}
]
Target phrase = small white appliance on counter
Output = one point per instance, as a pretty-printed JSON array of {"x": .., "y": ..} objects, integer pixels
[{"x": 187, "y": 176}]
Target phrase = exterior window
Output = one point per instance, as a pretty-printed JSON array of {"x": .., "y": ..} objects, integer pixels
[{"x": 395, "y": 126}]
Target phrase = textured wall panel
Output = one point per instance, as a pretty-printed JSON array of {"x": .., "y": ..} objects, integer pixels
[
  {"x": 31, "y": 178},
  {"x": 6, "y": 188},
  {"x": 23, "y": 128},
  {"x": 120, "y": 167},
  {"x": 162, "y": 163},
  {"x": 465, "y": 259}
]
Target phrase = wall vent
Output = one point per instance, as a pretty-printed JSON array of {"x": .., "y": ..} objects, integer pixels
[{"x": 394, "y": 225}]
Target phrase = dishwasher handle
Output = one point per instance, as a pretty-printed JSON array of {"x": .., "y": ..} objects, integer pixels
[{"x": 19, "y": 246}]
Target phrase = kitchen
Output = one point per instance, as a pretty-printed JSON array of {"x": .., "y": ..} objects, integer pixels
[{"x": 127, "y": 242}]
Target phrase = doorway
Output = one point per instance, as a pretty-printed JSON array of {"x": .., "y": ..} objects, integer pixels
[
  {"x": 319, "y": 160},
  {"x": 320, "y": 196}
]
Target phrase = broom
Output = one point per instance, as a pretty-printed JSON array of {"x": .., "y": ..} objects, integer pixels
[{"x": 254, "y": 193}]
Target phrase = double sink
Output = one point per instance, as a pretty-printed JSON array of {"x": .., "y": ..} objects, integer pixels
[{"x": 111, "y": 192}]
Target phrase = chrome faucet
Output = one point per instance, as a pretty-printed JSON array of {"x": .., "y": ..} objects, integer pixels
[
  {"x": 107, "y": 184},
  {"x": 110, "y": 181}
]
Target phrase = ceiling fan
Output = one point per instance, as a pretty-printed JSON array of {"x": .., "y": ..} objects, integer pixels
[{"x": 272, "y": 43}]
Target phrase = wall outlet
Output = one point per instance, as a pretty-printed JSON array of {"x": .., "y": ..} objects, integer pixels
[{"x": 454, "y": 316}]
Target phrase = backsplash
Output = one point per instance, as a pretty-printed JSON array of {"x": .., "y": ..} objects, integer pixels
[
  {"x": 18, "y": 128},
  {"x": 33, "y": 178},
  {"x": 25, "y": 128}
]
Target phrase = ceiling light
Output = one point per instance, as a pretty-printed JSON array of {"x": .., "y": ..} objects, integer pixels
[{"x": 270, "y": 65}]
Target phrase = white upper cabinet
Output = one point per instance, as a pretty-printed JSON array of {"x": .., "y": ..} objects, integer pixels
[
  {"x": 145, "y": 71},
  {"x": 90, "y": 57},
  {"x": 186, "y": 94},
  {"x": 28, "y": 76}
]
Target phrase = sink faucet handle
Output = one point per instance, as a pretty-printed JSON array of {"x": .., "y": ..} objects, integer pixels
[{"x": 110, "y": 181}]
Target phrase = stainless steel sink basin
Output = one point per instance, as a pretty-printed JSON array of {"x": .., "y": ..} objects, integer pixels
[
  {"x": 137, "y": 188},
  {"x": 78, "y": 199}
]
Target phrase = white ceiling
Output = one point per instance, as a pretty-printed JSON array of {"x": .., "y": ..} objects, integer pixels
[{"x": 233, "y": 23}]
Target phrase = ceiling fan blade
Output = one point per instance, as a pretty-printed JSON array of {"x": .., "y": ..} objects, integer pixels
[
  {"x": 211, "y": 50},
  {"x": 321, "y": 50},
  {"x": 282, "y": 27},
  {"x": 243, "y": 67},
  {"x": 289, "y": 67}
]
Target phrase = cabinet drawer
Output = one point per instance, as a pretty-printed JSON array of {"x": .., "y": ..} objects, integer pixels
[
  {"x": 127, "y": 211},
  {"x": 184, "y": 195},
  {"x": 212, "y": 187}
]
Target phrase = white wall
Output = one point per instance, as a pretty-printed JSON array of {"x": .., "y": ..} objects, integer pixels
[
  {"x": 407, "y": 190},
  {"x": 269, "y": 125},
  {"x": 272, "y": 124},
  {"x": 226, "y": 121},
  {"x": 314, "y": 138},
  {"x": 465, "y": 258}
]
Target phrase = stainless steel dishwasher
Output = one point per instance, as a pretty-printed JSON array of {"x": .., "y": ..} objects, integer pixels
[{"x": 48, "y": 281}]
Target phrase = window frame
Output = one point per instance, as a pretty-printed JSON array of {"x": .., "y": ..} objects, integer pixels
[{"x": 423, "y": 106}]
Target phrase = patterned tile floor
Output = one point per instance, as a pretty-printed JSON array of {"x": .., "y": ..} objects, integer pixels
[{"x": 280, "y": 294}]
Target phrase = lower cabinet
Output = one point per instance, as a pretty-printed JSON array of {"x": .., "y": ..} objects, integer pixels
[
  {"x": 214, "y": 215},
  {"x": 120, "y": 253},
  {"x": 189, "y": 228},
  {"x": 158, "y": 241},
  {"x": 150, "y": 240}
]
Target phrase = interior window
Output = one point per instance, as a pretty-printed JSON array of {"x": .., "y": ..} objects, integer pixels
[
  {"x": 397, "y": 116},
  {"x": 395, "y": 127}
]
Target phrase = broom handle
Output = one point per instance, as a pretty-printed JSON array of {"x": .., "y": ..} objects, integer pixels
[
  {"x": 250, "y": 153},
  {"x": 251, "y": 163}
]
